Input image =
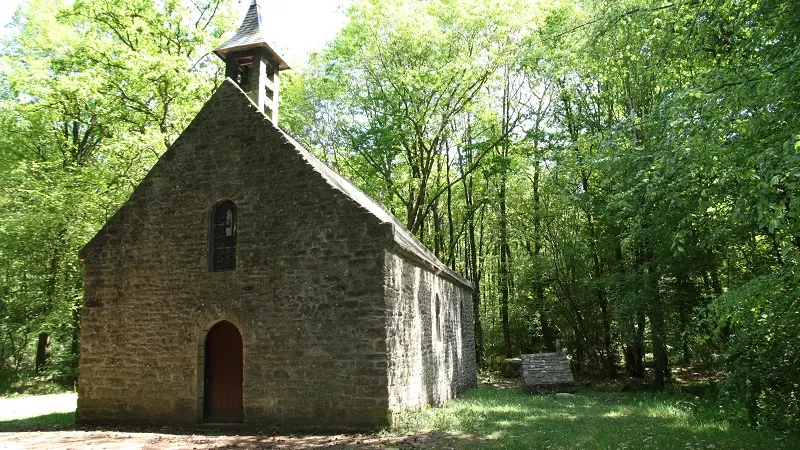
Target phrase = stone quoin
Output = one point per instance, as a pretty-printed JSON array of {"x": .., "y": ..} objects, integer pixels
[{"x": 246, "y": 281}]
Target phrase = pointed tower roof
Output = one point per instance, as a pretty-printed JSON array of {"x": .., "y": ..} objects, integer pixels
[{"x": 251, "y": 34}]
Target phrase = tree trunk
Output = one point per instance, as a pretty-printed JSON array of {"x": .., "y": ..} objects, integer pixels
[
  {"x": 580, "y": 354},
  {"x": 751, "y": 401},
  {"x": 657, "y": 329},
  {"x": 476, "y": 293},
  {"x": 609, "y": 360},
  {"x": 504, "y": 278},
  {"x": 504, "y": 270},
  {"x": 451, "y": 243},
  {"x": 75, "y": 343},
  {"x": 716, "y": 285},
  {"x": 547, "y": 332},
  {"x": 634, "y": 349},
  {"x": 41, "y": 352},
  {"x": 437, "y": 231},
  {"x": 538, "y": 284},
  {"x": 638, "y": 346},
  {"x": 687, "y": 298},
  {"x": 473, "y": 270},
  {"x": 471, "y": 252}
]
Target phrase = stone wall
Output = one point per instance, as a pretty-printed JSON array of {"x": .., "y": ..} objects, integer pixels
[
  {"x": 546, "y": 372},
  {"x": 428, "y": 363},
  {"x": 307, "y": 294}
]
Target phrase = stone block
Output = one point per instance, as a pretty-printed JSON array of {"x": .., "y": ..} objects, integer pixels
[{"x": 546, "y": 372}]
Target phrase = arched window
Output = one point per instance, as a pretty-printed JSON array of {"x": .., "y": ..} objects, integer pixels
[{"x": 223, "y": 237}]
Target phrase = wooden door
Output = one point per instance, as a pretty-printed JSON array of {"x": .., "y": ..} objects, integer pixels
[{"x": 223, "y": 374}]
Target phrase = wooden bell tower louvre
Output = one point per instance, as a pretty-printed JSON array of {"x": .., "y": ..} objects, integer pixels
[{"x": 252, "y": 62}]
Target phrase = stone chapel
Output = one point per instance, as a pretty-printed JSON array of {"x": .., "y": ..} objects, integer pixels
[{"x": 246, "y": 281}]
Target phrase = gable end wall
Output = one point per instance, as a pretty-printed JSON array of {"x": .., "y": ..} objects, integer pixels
[{"x": 307, "y": 293}]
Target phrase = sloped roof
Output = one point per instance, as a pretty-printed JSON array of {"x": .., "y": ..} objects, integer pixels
[
  {"x": 251, "y": 34},
  {"x": 405, "y": 242},
  {"x": 403, "y": 238}
]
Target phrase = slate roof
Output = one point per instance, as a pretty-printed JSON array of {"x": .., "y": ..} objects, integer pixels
[{"x": 251, "y": 34}]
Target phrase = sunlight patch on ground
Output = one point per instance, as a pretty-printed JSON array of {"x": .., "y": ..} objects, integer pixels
[
  {"x": 505, "y": 409},
  {"x": 24, "y": 407},
  {"x": 495, "y": 435},
  {"x": 667, "y": 411},
  {"x": 710, "y": 426}
]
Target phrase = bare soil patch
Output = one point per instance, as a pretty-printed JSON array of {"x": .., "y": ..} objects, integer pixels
[{"x": 36, "y": 437}]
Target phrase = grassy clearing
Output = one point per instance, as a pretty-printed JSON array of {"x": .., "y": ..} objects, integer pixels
[{"x": 592, "y": 419}]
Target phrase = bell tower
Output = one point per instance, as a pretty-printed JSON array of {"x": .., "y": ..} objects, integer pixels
[{"x": 252, "y": 62}]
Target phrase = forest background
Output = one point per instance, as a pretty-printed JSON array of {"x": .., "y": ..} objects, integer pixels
[{"x": 620, "y": 177}]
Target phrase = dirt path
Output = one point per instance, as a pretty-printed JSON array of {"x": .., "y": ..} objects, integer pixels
[
  {"x": 74, "y": 438},
  {"x": 46, "y": 440}
]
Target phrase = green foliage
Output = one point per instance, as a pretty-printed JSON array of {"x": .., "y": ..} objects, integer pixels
[
  {"x": 389, "y": 94},
  {"x": 623, "y": 180},
  {"x": 759, "y": 326},
  {"x": 91, "y": 94}
]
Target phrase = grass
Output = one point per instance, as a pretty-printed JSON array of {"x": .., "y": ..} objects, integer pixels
[
  {"x": 32, "y": 386},
  {"x": 53, "y": 420},
  {"x": 489, "y": 417},
  {"x": 592, "y": 419}
]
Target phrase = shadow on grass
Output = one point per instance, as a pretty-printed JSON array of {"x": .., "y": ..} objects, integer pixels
[
  {"x": 53, "y": 421},
  {"x": 590, "y": 420}
]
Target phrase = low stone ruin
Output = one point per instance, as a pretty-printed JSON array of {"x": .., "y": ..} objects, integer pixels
[{"x": 546, "y": 372}]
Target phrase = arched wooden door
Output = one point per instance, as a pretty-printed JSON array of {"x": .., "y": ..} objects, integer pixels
[{"x": 223, "y": 361}]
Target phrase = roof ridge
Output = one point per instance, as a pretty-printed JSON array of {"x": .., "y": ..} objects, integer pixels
[{"x": 402, "y": 236}]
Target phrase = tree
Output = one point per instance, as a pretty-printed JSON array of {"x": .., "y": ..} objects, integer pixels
[{"x": 92, "y": 93}]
